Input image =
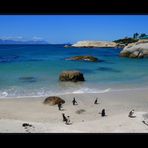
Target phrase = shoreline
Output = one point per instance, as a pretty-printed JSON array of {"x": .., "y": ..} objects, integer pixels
[
  {"x": 100, "y": 91},
  {"x": 48, "y": 119}
]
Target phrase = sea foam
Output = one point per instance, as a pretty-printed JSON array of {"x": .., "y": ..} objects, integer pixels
[
  {"x": 44, "y": 93},
  {"x": 89, "y": 90}
]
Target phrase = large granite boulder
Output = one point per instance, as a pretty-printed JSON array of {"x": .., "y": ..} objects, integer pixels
[
  {"x": 84, "y": 58},
  {"x": 73, "y": 76},
  {"x": 53, "y": 100},
  {"x": 93, "y": 44},
  {"x": 136, "y": 50}
]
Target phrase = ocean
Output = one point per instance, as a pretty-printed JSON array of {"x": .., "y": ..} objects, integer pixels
[{"x": 33, "y": 70}]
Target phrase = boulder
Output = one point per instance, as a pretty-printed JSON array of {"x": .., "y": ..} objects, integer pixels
[
  {"x": 136, "y": 54},
  {"x": 53, "y": 100},
  {"x": 73, "y": 76},
  {"x": 120, "y": 45},
  {"x": 93, "y": 44},
  {"x": 135, "y": 50},
  {"x": 125, "y": 54},
  {"x": 84, "y": 58}
]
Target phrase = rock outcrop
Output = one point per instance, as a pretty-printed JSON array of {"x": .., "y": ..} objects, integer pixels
[
  {"x": 84, "y": 58},
  {"x": 53, "y": 100},
  {"x": 119, "y": 45},
  {"x": 136, "y": 50},
  {"x": 93, "y": 44},
  {"x": 73, "y": 76}
]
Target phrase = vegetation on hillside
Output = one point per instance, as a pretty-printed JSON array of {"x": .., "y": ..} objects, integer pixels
[{"x": 127, "y": 40}]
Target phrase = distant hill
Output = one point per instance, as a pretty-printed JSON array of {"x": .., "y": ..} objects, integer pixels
[{"x": 22, "y": 42}]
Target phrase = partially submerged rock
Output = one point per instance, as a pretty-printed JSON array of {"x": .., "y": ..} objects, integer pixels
[
  {"x": 136, "y": 54},
  {"x": 53, "y": 100},
  {"x": 84, "y": 58},
  {"x": 136, "y": 50},
  {"x": 73, "y": 76},
  {"x": 132, "y": 54},
  {"x": 125, "y": 53}
]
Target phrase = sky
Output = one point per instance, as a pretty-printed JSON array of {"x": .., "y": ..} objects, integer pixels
[{"x": 58, "y": 29}]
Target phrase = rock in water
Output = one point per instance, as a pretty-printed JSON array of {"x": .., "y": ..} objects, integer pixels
[
  {"x": 53, "y": 100},
  {"x": 73, "y": 76},
  {"x": 136, "y": 50},
  {"x": 84, "y": 58}
]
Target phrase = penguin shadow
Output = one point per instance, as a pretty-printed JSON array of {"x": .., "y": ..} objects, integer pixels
[
  {"x": 97, "y": 103},
  {"x": 102, "y": 115},
  {"x": 69, "y": 123},
  {"x": 75, "y": 104}
]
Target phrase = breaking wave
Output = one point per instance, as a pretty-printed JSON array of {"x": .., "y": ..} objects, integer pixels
[
  {"x": 89, "y": 90},
  {"x": 18, "y": 93}
]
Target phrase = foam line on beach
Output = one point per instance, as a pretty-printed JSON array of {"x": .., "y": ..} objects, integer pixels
[
  {"x": 88, "y": 90},
  {"x": 67, "y": 92},
  {"x": 129, "y": 89}
]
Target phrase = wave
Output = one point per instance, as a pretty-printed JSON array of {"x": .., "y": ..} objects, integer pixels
[
  {"x": 44, "y": 92},
  {"x": 88, "y": 90},
  {"x": 4, "y": 94},
  {"x": 130, "y": 89}
]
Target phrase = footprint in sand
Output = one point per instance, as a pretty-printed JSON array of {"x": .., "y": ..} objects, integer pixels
[{"x": 28, "y": 127}]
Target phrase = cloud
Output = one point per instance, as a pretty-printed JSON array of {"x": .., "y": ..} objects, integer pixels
[
  {"x": 21, "y": 38},
  {"x": 36, "y": 38},
  {"x": 12, "y": 38}
]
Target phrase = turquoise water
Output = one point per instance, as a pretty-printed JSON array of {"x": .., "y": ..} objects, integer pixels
[{"x": 33, "y": 70}]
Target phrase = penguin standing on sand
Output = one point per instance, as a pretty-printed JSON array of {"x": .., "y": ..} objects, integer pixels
[{"x": 74, "y": 101}]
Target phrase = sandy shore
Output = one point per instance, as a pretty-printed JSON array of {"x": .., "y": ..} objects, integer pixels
[{"x": 48, "y": 119}]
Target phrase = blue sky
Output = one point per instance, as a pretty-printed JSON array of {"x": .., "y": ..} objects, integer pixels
[{"x": 71, "y": 28}]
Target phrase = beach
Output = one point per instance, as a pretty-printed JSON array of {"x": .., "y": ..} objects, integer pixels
[
  {"x": 54, "y": 59},
  {"x": 14, "y": 112}
]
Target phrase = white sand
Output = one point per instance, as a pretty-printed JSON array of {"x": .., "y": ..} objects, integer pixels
[{"x": 48, "y": 119}]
